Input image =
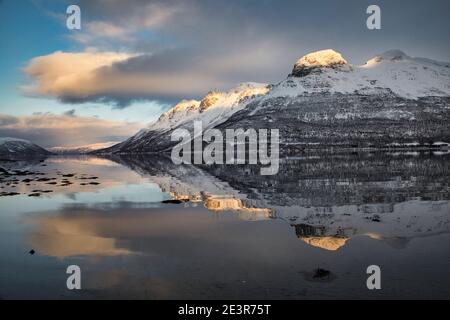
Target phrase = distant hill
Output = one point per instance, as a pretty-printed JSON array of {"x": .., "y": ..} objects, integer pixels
[
  {"x": 85, "y": 149},
  {"x": 20, "y": 148}
]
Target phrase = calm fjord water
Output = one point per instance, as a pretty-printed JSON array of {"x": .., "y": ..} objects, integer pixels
[{"x": 233, "y": 234}]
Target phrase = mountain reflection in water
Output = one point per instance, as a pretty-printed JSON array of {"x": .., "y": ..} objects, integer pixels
[
  {"x": 236, "y": 234},
  {"x": 327, "y": 198}
]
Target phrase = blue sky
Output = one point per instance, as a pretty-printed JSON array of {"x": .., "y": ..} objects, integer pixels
[
  {"x": 29, "y": 29},
  {"x": 24, "y": 34},
  {"x": 133, "y": 59}
]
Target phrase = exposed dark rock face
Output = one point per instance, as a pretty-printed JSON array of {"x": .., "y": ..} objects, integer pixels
[{"x": 348, "y": 120}]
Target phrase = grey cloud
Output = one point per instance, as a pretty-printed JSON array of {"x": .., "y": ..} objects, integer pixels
[
  {"x": 70, "y": 113},
  {"x": 202, "y": 45},
  {"x": 50, "y": 130},
  {"x": 6, "y": 120}
]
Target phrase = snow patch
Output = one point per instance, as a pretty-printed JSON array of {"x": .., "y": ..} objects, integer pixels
[
  {"x": 214, "y": 108},
  {"x": 392, "y": 72},
  {"x": 15, "y": 146},
  {"x": 4, "y": 140},
  {"x": 322, "y": 58}
]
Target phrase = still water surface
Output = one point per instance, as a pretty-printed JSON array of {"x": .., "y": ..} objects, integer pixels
[{"x": 234, "y": 234}]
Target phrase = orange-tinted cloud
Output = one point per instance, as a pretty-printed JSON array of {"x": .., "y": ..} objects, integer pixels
[
  {"x": 70, "y": 75},
  {"x": 50, "y": 130}
]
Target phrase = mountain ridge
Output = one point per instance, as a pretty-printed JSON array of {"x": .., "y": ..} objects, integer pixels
[
  {"x": 14, "y": 147},
  {"x": 390, "y": 89}
]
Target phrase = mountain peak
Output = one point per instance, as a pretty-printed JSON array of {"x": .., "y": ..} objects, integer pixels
[
  {"x": 393, "y": 55},
  {"x": 215, "y": 106},
  {"x": 181, "y": 107},
  {"x": 317, "y": 60},
  {"x": 9, "y": 139},
  {"x": 390, "y": 55},
  {"x": 210, "y": 99}
]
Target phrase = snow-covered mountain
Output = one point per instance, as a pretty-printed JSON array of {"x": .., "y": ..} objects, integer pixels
[
  {"x": 215, "y": 108},
  {"x": 391, "y": 99},
  {"x": 85, "y": 149},
  {"x": 325, "y": 101},
  {"x": 394, "y": 72},
  {"x": 18, "y": 148}
]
